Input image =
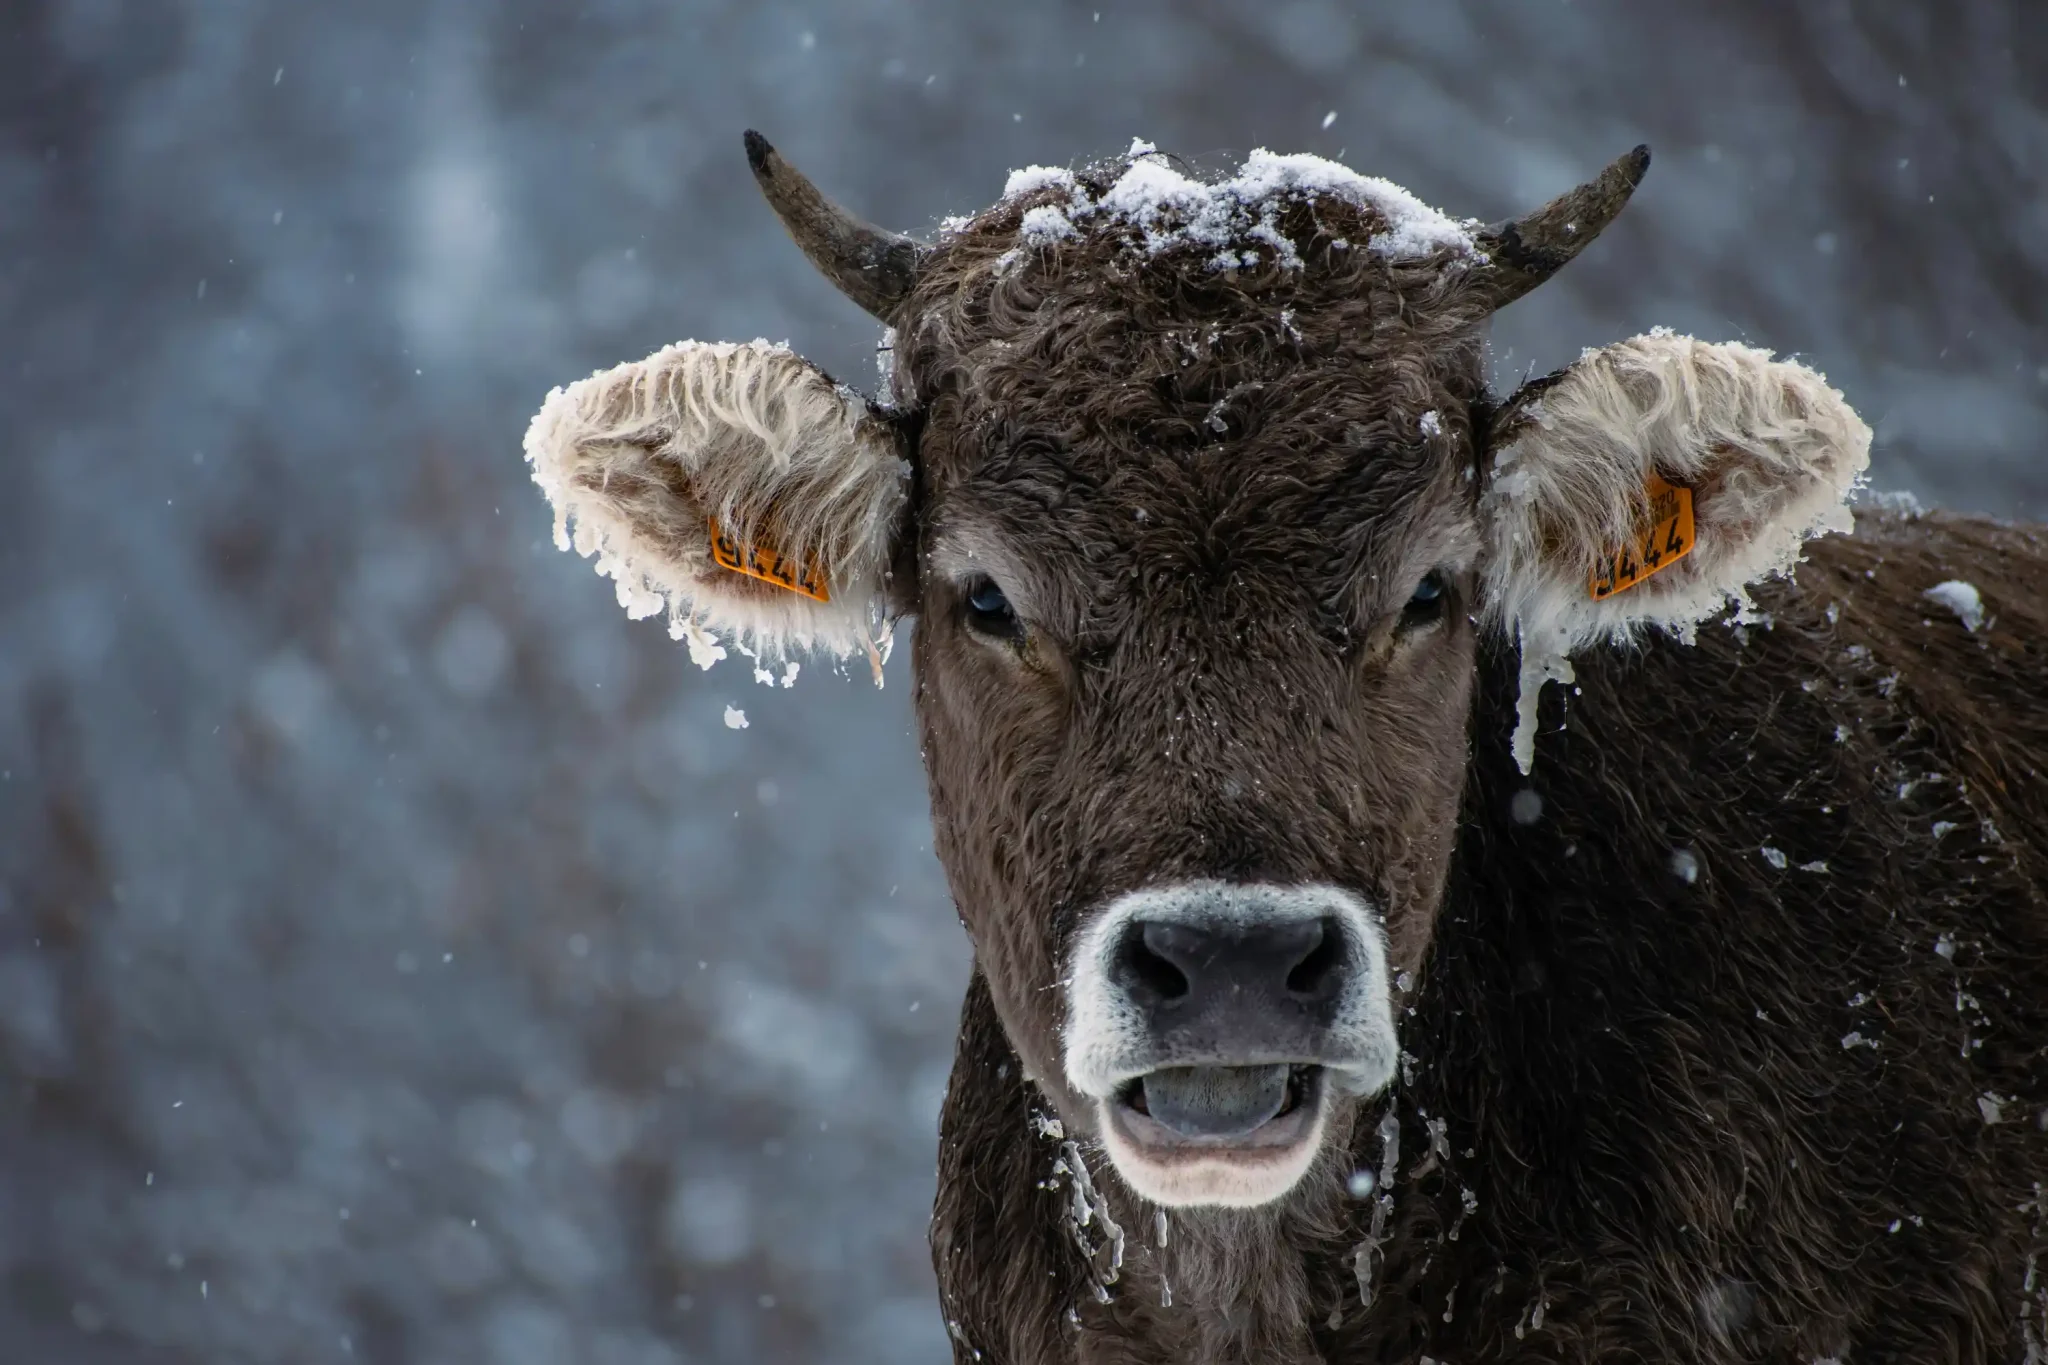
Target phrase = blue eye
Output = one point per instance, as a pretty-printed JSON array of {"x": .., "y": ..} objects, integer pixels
[
  {"x": 1426, "y": 603},
  {"x": 989, "y": 611}
]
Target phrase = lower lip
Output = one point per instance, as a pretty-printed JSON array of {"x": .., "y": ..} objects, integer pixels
[{"x": 1283, "y": 1132}]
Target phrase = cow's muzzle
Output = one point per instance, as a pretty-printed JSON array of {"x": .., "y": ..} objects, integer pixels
[{"x": 1213, "y": 1024}]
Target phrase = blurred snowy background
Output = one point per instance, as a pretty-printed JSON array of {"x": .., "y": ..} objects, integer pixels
[{"x": 400, "y": 960}]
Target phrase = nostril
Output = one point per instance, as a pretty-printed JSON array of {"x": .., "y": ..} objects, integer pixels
[
  {"x": 1144, "y": 964},
  {"x": 1191, "y": 965},
  {"x": 1319, "y": 969}
]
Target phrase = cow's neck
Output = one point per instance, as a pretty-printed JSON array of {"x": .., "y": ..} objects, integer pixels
[{"x": 1220, "y": 1284}]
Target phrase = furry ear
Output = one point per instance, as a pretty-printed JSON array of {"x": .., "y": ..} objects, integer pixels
[
  {"x": 1768, "y": 452},
  {"x": 1648, "y": 485},
  {"x": 735, "y": 487}
]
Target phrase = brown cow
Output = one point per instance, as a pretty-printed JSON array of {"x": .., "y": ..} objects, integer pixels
[{"x": 1341, "y": 992}]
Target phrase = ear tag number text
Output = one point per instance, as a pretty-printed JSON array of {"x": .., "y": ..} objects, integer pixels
[
  {"x": 762, "y": 562},
  {"x": 1668, "y": 539}
]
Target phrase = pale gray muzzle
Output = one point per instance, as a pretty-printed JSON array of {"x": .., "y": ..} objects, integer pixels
[{"x": 1212, "y": 995}]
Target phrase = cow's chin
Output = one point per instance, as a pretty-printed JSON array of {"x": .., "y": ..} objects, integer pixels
[{"x": 1243, "y": 1170}]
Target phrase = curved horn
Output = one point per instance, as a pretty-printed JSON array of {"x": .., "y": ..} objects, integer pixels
[
  {"x": 1524, "y": 252},
  {"x": 876, "y": 269}
]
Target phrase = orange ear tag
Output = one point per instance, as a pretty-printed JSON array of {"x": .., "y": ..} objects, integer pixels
[
  {"x": 1669, "y": 539},
  {"x": 759, "y": 561}
]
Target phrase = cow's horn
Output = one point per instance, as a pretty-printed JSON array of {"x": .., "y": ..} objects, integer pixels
[
  {"x": 874, "y": 268},
  {"x": 1524, "y": 252}
]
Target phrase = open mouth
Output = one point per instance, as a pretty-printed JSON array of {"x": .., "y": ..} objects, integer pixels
[{"x": 1216, "y": 1111}]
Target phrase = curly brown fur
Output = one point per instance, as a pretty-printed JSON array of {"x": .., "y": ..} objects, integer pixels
[
  {"x": 1654, "y": 1142},
  {"x": 1145, "y": 425},
  {"x": 1725, "y": 1036},
  {"x": 1671, "y": 1153}
]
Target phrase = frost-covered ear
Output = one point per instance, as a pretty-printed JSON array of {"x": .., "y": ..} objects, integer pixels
[
  {"x": 735, "y": 487},
  {"x": 1651, "y": 482}
]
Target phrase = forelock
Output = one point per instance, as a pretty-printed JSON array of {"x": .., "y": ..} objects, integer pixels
[{"x": 1198, "y": 310}]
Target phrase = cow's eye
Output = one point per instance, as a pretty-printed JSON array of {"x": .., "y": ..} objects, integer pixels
[
  {"x": 989, "y": 612},
  {"x": 1426, "y": 603}
]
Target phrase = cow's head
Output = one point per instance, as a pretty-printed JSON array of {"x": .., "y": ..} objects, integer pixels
[{"x": 1201, "y": 505}]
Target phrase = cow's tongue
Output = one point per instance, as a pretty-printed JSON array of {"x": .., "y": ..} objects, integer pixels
[{"x": 1215, "y": 1101}]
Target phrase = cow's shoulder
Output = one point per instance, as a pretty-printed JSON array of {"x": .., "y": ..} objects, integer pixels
[
  {"x": 1760, "y": 938},
  {"x": 1957, "y": 608},
  {"x": 1899, "y": 678}
]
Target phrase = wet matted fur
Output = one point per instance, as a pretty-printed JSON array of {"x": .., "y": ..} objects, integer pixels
[
  {"x": 1694, "y": 1105},
  {"x": 1724, "y": 1030}
]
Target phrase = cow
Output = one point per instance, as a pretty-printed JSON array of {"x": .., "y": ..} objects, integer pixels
[{"x": 1551, "y": 877}]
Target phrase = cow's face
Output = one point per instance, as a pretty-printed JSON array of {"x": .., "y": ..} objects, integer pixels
[
  {"x": 1200, "y": 506},
  {"x": 1195, "y": 640},
  {"x": 1195, "y": 723}
]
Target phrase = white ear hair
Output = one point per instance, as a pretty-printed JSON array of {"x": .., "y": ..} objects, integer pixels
[
  {"x": 637, "y": 460},
  {"x": 1769, "y": 451}
]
